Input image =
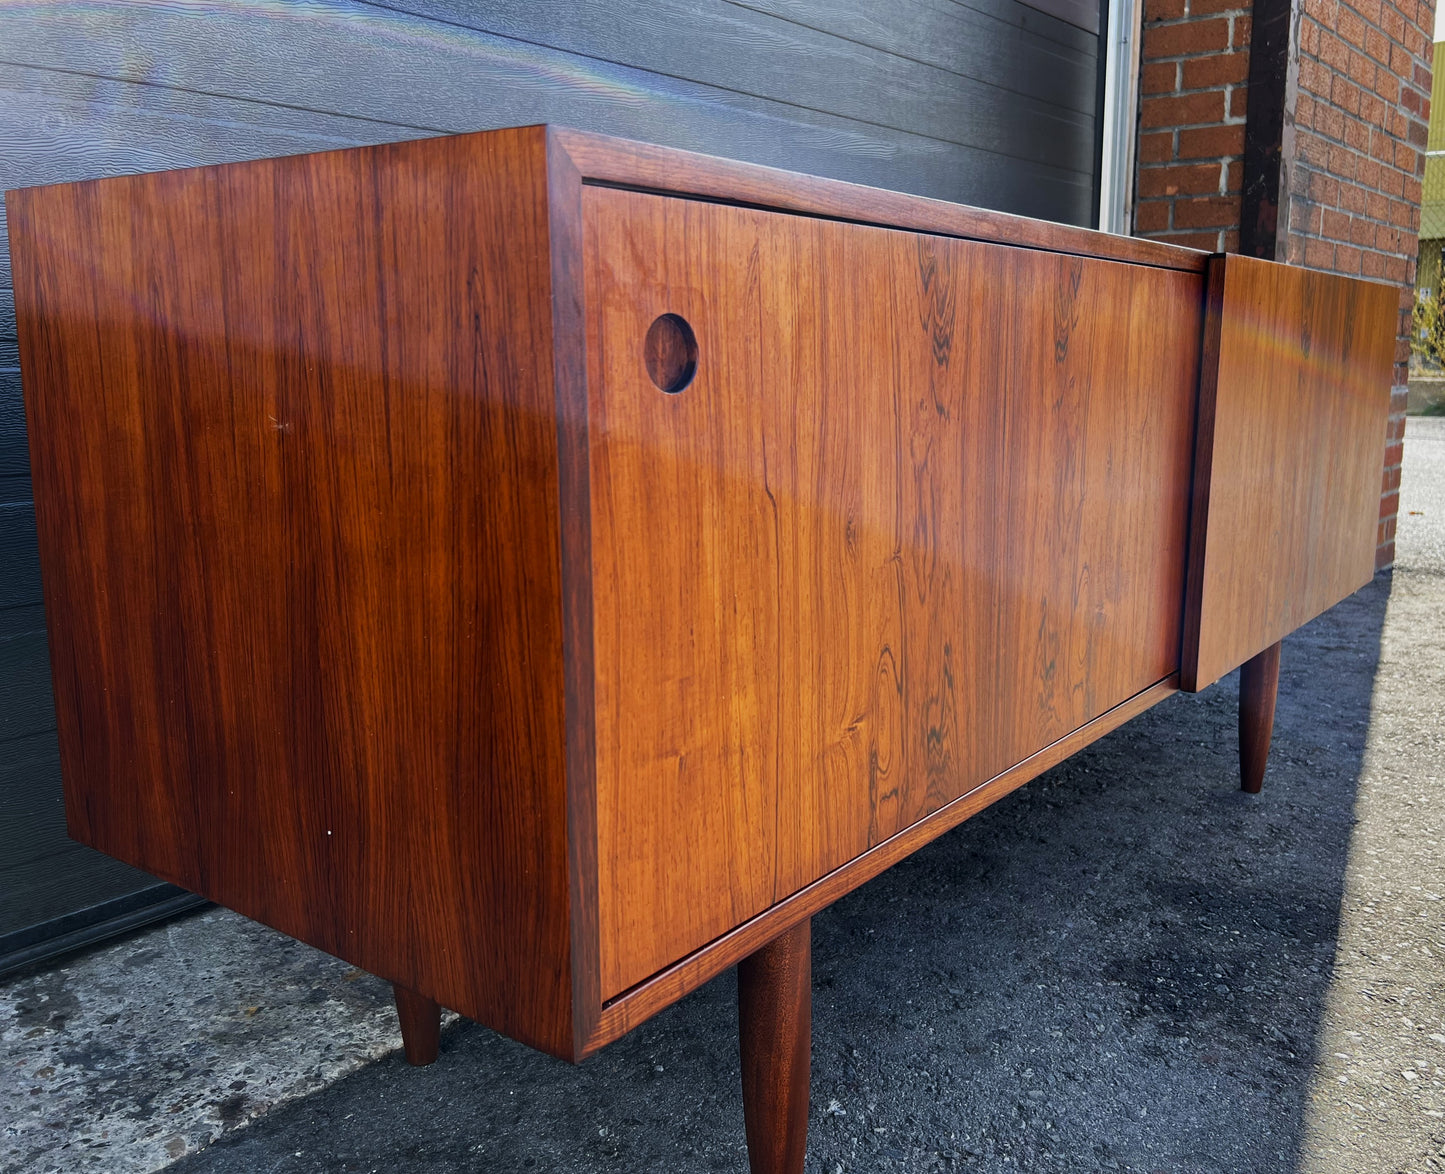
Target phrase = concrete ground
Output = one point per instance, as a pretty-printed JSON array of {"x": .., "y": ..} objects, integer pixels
[
  {"x": 1128, "y": 965},
  {"x": 1427, "y": 395}
]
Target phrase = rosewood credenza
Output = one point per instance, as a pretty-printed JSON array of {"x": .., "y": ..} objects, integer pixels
[{"x": 544, "y": 570}]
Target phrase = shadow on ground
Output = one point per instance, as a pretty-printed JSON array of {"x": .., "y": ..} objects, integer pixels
[{"x": 1124, "y": 966}]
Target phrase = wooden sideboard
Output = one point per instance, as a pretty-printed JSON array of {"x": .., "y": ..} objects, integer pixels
[{"x": 544, "y": 570}]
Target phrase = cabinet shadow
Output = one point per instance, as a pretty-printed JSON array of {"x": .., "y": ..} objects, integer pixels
[{"x": 1123, "y": 965}]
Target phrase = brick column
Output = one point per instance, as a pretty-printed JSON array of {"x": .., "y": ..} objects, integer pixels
[
  {"x": 1335, "y": 154},
  {"x": 1193, "y": 67}
]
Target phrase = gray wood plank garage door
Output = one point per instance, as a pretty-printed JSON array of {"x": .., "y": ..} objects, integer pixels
[{"x": 988, "y": 102}]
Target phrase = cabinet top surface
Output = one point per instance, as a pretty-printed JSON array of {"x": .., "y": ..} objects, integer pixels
[
  {"x": 605, "y": 160},
  {"x": 581, "y": 157}
]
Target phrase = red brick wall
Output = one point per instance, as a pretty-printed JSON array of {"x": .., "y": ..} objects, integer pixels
[
  {"x": 1193, "y": 68},
  {"x": 1354, "y": 148},
  {"x": 1361, "y": 120}
]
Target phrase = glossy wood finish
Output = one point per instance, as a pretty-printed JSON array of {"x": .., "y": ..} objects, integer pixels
[
  {"x": 574, "y": 536},
  {"x": 622, "y": 1014},
  {"x": 838, "y": 584},
  {"x": 421, "y": 1025},
  {"x": 1009, "y": 92},
  {"x": 606, "y": 160},
  {"x": 1290, "y": 454},
  {"x": 396, "y": 605},
  {"x": 1258, "y": 689},
  {"x": 775, "y": 1035},
  {"x": 303, "y": 666}
]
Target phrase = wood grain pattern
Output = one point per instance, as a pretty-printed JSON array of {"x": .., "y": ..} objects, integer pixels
[
  {"x": 420, "y": 1020},
  {"x": 397, "y": 607},
  {"x": 216, "y": 345},
  {"x": 1258, "y": 690},
  {"x": 1010, "y": 91},
  {"x": 1294, "y": 396},
  {"x": 775, "y": 1036},
  {"x": 302, "y": 666},
  {"x": 620, "y": 1015},
  {"x": 50, "y": 878},
  {"x": 608, "y": 160},
  {"x": 569, "y": 372},
  {"x": 838, "y": 584}
]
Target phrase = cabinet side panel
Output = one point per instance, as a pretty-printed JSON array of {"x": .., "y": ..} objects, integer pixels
[
  {"x": 295, "y": 459},
  {"x": 1293, "y": 456},
  {"x": 921, "y": 513}
]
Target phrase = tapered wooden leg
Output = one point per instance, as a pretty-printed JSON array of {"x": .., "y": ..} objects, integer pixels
[
  {"x": 1258, "y": 688},
  {"x": 775, "y": 1034},
  {"x": 421, "y": 1025}
]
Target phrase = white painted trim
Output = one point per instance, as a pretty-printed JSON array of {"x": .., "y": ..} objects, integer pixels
[{"x": 1121, "y": 102}]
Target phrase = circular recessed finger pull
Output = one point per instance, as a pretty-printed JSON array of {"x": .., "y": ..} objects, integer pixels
[{"x": 670, "y": 352}]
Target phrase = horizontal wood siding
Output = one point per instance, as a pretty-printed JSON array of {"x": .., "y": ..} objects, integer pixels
[{"x": 989, "y": 102}]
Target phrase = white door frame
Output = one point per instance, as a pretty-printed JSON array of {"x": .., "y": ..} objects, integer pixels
[{"x": 1121, "y": 102}]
